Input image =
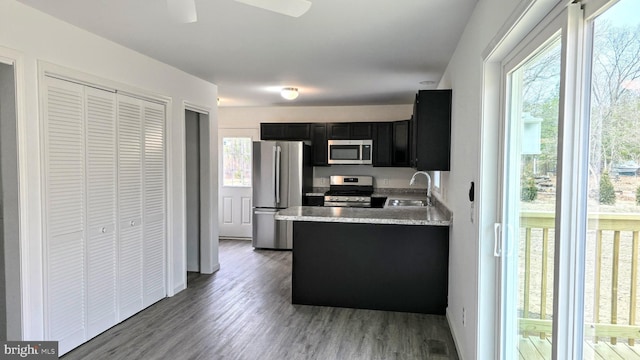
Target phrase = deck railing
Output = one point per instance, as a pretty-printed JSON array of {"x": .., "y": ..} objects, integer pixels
[{"x": 606, "y": 232}]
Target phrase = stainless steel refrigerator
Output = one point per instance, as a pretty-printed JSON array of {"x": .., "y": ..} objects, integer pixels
[{"x": 282, "y": 172}]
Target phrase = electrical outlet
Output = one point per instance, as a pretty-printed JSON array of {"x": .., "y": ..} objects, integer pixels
[
  {"x": 385, "y": 181},
  {"x": 464, "y": 317},
  {"x": 322, "y": 181}
]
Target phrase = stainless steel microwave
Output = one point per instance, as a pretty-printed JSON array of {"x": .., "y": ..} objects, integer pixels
[{"x": 355, "y": 152}]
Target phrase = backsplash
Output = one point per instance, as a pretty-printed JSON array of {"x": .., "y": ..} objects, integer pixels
[{"x": 384, "y": 177}]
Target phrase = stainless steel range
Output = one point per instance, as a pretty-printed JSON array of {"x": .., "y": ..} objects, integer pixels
[{"x": 349, "y": 191}]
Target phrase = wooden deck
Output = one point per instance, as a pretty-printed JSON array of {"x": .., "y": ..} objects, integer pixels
[{"x": 535, "y": 348}]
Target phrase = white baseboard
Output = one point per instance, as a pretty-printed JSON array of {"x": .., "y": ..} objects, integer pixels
[{"x": 455, "y": 338}]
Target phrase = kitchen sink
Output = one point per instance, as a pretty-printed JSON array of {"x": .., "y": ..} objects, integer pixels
[{"x": 405, "y": 202}]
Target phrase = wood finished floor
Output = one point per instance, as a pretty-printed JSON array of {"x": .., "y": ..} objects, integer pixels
[{"x": 244, "y": 311}]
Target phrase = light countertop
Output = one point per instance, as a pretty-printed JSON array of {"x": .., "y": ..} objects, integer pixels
[{"x": 429, "y": 216}]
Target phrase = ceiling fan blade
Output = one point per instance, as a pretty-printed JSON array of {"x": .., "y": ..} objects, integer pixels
[
  {"x": 293, "y": 8},
  {"x": 183, "y": 11}
]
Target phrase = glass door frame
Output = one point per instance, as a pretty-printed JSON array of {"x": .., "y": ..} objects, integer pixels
[{"x": 571, "y": 185}]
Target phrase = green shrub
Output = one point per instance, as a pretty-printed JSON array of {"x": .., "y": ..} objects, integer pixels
[
  {"x": 529, "y": 190},
  {"x": 638, "y": 196},
  {"x": 607, "y": 192}
]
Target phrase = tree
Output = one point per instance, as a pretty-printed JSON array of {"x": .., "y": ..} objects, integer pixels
[
  {"x": 607, "y": 192},
  {"x": 529, "y": 190},
  {"x": 615, "y": 103}
]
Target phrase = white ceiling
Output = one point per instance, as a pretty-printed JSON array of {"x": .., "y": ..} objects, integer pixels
[{"x": 341, "y": 52}]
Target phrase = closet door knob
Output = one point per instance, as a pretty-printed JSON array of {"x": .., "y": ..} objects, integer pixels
[
  {"x": 133, "y": 223},
  {"x": 103, "y": 230}
]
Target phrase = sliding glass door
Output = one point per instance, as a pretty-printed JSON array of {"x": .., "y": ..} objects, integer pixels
[
  {"x": 613, "y": 197},
  {"x": 529, "y": 200},
  {"x": 568, "y": 251}
]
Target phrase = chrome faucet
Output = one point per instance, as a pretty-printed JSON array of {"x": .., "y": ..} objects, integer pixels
[{"x": 413, "y": 182}]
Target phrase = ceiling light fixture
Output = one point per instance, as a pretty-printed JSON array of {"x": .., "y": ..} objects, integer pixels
[{"x": 289, "y": 93}]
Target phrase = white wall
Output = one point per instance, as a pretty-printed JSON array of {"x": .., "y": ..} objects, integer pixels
[
  {"x": 464, "y": 75},
  {"x": 36, "y": 37},
  {"x": 384, "y": 177},
  {"x": 251, "y": 117}
]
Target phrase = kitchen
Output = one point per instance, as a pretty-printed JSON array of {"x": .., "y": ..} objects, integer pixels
[
  {"x": 283, "y": 182},
  {"x": 87, "y": 55}
]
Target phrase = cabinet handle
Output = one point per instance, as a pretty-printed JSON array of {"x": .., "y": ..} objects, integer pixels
[
  {"x": 103, "y": 230},
  {"x": 133, "y": 223}
]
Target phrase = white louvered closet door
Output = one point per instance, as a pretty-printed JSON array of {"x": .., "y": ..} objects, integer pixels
[
  {"x": 154, "y": 203},
  {"x": 101, "y": 210},
  {"x": 64, "y": 217},
  {"x": 130, "y": 198}
]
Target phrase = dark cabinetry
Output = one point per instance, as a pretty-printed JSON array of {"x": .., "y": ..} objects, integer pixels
[
  {"x": 382, "y": 267},
  {"x": 313, "y": 200},
  {"x": 319, "y": 148},
  {"x": 284, "y": 131},
  {"x": 401, "y": 151},
  {"x": 361, "y": 131},
  {"x": 431, "y": 130},
  {"x": 391, "y": 143},
  {"x": 349, "y": 131},
  {"x": 383, "y": 144},
  {"x": 424, "y": 142}
]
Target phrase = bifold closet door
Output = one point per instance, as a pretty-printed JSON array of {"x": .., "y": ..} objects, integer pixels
[
  {"x": 64, "y": 215},
  {"x": 101, "y": 244},
  {"x": 130, "y": 197},
  {"x": 154, "y": 203}
]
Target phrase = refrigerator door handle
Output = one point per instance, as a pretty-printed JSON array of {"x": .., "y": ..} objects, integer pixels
[
  {"x": 273, "y": 168},
  {"x": 258, "y": 212},
  {"x": 278, "y": 159}
]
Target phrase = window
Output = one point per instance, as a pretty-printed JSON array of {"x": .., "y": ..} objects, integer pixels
[
  {"x": 236, "y": 161},
  {"x": 436, "y": 181}
]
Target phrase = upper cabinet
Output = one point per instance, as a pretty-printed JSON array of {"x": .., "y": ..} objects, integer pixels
[
  {"x": 400, "y": 151},
  {"x": 361, "y": 131},
  {"x": 383, "y": 144},
  {"x": 424, "y": 142},
  {"x": 319, "y": 148},
  {"x": 285, "y": 131},
  {"x": 349, "y": 131},
  {"x": 391, "y": 143},
  {"x": 431, "y": 130}
]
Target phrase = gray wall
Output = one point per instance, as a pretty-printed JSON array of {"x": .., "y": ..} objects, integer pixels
[
  {"x": 9, "y": 250},
  {"x": 192, "y": 134}
]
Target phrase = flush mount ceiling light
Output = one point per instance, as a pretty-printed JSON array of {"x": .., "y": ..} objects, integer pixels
[{"x": 289, "y": 93}]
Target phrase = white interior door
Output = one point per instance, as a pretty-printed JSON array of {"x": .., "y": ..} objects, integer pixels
[{"x": 234, "y": 206}]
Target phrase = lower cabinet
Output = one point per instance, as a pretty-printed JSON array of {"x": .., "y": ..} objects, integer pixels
[
  {"x": 371, "y": 266},
  {"x": 313, "y": 200},
  {"x": 104, "y": 219}
]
